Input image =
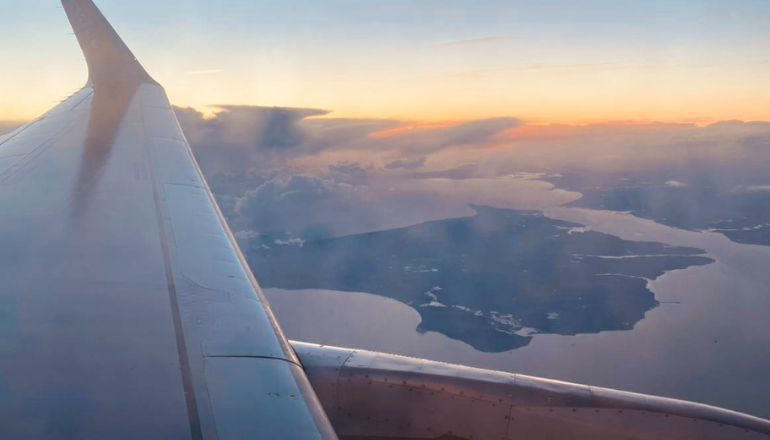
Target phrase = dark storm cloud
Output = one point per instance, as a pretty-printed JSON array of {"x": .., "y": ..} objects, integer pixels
[{"x": 407, "y": 164}]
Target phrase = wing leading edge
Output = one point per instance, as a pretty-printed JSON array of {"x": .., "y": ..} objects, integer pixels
[{"x": 127, "y": 310}]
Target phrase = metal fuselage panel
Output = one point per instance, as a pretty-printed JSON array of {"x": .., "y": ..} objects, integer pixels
[{"x": 376, "y": 396}]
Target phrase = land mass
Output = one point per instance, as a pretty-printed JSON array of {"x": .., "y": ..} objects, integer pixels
[
  {"x": 493, "y": 280},
  {"x": 741, "y": 213}
]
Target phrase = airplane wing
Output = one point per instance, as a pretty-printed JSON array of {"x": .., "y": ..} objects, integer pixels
[
  {"x": 128, "y": 312},
  {"x": 126, "y": 308}
]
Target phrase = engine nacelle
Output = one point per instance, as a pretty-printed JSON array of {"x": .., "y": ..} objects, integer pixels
[{"x": 376, "y": 396}]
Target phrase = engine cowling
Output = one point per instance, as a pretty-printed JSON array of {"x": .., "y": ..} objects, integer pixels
[{"x": 375, "y": 396}]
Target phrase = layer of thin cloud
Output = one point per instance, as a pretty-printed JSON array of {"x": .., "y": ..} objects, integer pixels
[
  {"x": 755, "y": 189},
  {"x": 301, "y": 171},
  {"x": 239, "y": 138},
  {"x": 407, "y": 164},
  {"x": 277, "y": 170}
]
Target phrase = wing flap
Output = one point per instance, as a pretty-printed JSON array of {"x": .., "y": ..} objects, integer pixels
[{"x": 233, "y": 384}]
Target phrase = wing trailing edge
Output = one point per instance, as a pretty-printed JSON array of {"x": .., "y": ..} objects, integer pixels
[{"x": 110, "y": 61}]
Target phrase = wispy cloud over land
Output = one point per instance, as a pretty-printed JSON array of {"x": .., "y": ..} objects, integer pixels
[
  {"x": 242, "y": 137},
  {"x": 284, "y": 169},
  {"x": 277, "y": 170}
]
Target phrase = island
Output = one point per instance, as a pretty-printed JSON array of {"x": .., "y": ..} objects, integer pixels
[{"x": 493, "y": 280}]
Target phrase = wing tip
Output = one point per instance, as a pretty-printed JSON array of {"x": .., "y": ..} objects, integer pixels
[{"x": 109, "y": 59}]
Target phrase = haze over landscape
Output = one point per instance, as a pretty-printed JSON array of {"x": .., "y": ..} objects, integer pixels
[{"x": 572, "y": 192}]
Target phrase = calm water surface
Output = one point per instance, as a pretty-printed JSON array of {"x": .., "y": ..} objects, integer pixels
[{"x": 708, "y": 342}]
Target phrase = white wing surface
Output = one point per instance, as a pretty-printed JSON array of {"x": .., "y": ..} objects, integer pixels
[{"x": 126, "y": 309}]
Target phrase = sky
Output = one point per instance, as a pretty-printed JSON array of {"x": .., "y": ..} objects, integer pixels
[{"x": 552, "y": 61}]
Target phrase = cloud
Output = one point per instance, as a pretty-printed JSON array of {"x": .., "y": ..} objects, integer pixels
[
  {"x": 238, "y": 137},
  {"x": 304, "y": 204},
  {"x": 464, "y": 172},
  {"x": 291, "y": 242},
  {"x": 269, "y": 128},
  {"x": 755, "y": 189},
  {"x": 738, "y": 126},
  {"x": 289, "y": 170},
  {"x": 246, "y": 237},
  {"x": 310, "y": 206},
  {"x": 432, "y": 140},
  {"x": 276, "y": 170},
  {"x": 407, "y": 164},
  {"x": 348, "y": 172},
  {"x": 296, "y": 188},
  {"x": 396, "y": 138},
  {"x": 727, "y": 151}
]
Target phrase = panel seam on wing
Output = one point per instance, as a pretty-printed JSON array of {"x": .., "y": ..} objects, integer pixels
[
  {"x": 82, "y": 100},
  {"x": 7, "y": 175},
  {"x": 246, "y": 356}
]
